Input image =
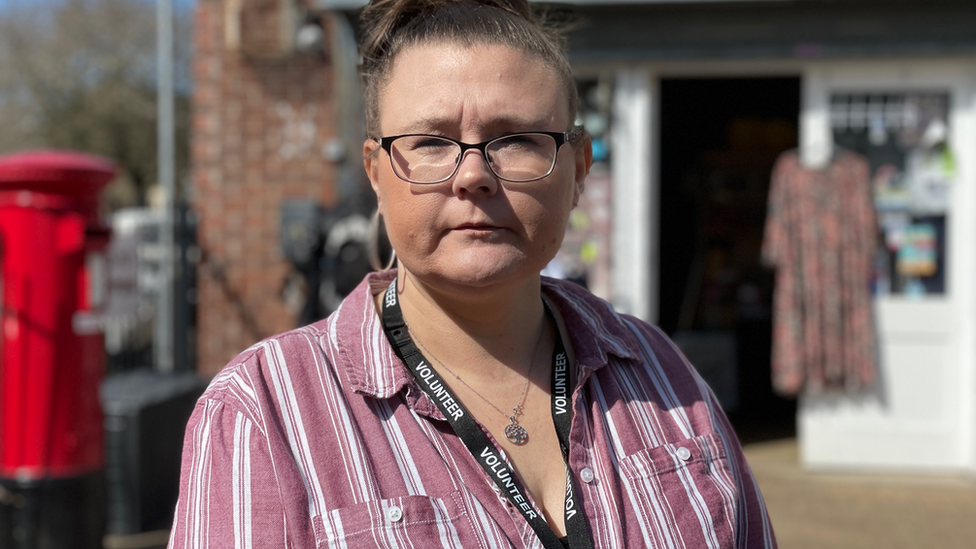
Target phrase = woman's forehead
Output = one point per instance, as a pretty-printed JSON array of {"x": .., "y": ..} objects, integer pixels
[
  {"x": 482, "y": 50},
  {"x": 437, "y": 86}
]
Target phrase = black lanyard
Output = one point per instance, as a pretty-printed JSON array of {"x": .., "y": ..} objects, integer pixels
[{"x": 477, "y": 442}]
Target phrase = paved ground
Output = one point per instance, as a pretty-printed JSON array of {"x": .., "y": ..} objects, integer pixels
[
  {"x": 146, "y": 540},
  {"x": 817, "y": 510}
]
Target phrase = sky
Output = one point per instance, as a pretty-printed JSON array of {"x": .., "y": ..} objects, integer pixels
[{"x": 6, "y": 3}]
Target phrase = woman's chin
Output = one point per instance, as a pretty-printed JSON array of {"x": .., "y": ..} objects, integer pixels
[{"x": 484, "y": 271}]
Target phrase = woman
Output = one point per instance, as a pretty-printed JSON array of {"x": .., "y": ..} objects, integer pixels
[{"x": 461, "y": 400}]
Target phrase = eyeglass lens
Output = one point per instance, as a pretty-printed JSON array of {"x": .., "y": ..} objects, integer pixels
[{"x": 431, "y": 159}]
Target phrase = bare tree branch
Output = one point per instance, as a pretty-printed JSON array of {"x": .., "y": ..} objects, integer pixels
[{"x": 81, "y": 74}]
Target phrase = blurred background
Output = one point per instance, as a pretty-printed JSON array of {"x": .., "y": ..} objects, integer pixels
[{"x": 786, "y": 187}]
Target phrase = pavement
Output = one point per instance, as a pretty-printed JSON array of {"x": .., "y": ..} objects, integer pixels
[
  {"x": 156, "y": 539},
  {"x": 837, "y": 510},
  {"x": 825, "y": 509}
]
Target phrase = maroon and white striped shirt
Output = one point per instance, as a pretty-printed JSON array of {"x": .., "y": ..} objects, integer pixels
[{"x": 320, "y": 437}]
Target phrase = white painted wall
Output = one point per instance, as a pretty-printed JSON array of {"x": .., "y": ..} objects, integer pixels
[{"x": 634, "y": 279}]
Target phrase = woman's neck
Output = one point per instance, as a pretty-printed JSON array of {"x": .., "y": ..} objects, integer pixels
[{"x": 472, "y": 330}]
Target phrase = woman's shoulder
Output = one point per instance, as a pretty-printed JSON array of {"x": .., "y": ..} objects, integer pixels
[
  {"x": 334, "y": 355},
  {"x": 252, "y": 379},
  {"x": 578, "y": 304},
  {"x": 641, "y": 348},
  {"x": 641, "y": 365},
  {"x": 618, "y": 332}
]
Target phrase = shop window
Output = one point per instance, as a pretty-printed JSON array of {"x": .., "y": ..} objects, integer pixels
[{"x": 905, "y": 137}]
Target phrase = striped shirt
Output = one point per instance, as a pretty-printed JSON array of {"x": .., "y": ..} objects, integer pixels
[{"x": 320, "y": 437}]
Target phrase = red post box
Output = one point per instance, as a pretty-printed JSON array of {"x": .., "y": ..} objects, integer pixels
[{"x": 52, "y": 352}]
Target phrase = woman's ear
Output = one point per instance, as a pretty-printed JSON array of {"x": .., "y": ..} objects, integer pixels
[
  {"x": 584, "y": 159},
  {"x": 371, "y": 161}
]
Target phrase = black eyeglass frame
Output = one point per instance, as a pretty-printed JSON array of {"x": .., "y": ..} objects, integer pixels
[{"x": 561, "y": 138}]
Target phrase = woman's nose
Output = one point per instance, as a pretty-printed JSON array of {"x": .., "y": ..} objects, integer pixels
[{"x": 474, "y": 176}]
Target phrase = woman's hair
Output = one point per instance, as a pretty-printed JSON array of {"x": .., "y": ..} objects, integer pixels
[{"x": 390, "y": 26}]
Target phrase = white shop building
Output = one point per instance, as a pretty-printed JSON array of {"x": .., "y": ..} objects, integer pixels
[{"x": 703, "y": 96}]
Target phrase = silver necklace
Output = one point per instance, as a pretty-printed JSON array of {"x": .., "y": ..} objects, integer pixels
[{"x": 515, "y": 433}]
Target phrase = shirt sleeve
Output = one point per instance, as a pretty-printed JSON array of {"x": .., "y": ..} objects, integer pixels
[
  {"x": 753, "y": 527},
  {"x": 229, "y": 491}
]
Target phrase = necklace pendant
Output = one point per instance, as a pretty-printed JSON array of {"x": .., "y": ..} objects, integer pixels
[{"x": 516, "y": 434}]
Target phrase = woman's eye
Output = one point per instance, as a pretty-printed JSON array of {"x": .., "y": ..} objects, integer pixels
[
  {"x": 519, "y": 142},
  {"x": 430, "y": 144}
]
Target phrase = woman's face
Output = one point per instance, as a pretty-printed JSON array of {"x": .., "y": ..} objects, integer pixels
[{"x": 474, "y": 230}]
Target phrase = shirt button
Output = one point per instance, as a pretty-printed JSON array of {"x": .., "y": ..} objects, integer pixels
[
  {"x": 394, "y": 514},
  {"x": 586, "y": 475},
  {"x": 684, "y": 453}
]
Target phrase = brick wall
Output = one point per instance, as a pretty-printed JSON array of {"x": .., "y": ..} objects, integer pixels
[{"x": 259, "y": 125}]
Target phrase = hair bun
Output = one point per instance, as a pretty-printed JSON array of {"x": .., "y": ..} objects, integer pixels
[{"x": 381, "y": 20}]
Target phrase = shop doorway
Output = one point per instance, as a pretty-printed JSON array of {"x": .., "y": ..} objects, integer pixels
[{"x": 719, "y": 141}]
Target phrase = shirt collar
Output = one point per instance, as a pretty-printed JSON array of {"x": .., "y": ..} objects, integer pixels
[{"x": 374, "y": 370}]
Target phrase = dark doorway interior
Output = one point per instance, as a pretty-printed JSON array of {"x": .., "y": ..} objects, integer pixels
[{"x": 719, "y": 141}]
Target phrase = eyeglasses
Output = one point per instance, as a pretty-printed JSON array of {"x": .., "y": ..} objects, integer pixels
[{"x": 515, "y": 157}]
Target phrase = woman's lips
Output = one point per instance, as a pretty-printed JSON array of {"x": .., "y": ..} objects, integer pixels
[{"x": 477, "y": 228}]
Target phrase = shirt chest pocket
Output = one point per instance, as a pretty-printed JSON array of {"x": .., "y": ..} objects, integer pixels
[
  {"x": 409, "y": 521},
  {"x": 684, "y": 491}
]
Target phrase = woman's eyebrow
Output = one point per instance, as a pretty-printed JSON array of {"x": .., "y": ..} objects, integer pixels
[
  {"x": 498, "y": 125},
  {"x": 428, "y": 125},
  {"x": 516, "y": 123}
]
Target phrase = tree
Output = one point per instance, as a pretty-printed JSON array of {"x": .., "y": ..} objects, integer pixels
[{"x": 81, "y": 74}]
